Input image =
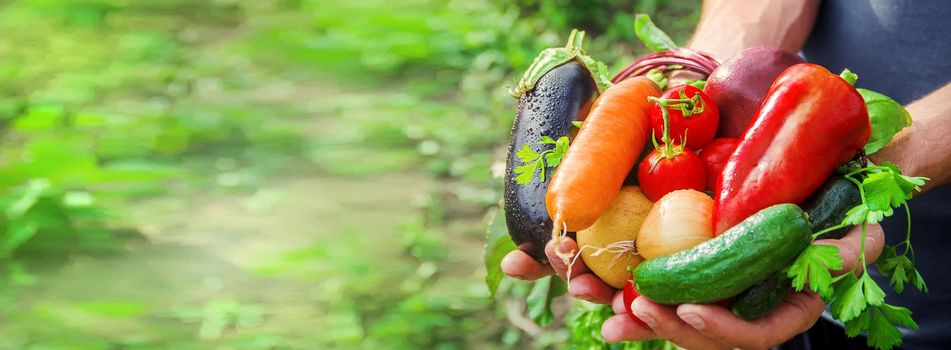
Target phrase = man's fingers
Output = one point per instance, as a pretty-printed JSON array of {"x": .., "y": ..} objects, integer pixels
[
  {"x": 797, "y": 313},
  {"x": 618, "y": 304},
  {"x": 665, "y": 322},
  {"x": 623, "y": 328},
  {"x": 849, "y": 246},
  {"x": 520, "y": 265},
  {"x": 568, "y": 245},
  {"x": 587, "y": 286}
]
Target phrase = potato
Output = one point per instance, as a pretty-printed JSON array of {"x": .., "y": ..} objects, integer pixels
[
  {"x": 679, "y": 220},
  {"x": 607, "y": 247}
]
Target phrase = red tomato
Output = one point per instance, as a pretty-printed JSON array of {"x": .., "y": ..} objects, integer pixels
[
  {"x": 714, "y": 158},
  {"x": 660, "y": 174},
  {"x": 700, "y": 125},
  {"x": 629, "y": 295}
]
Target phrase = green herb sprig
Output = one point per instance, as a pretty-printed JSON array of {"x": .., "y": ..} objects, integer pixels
[
  {"x": 536, "y": 162},
  {"x": 859, "y": 302}
]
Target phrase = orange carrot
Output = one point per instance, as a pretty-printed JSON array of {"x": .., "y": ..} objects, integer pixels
[{"x": 600, "y": 157}]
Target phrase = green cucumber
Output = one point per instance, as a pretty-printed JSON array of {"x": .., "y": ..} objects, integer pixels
[
  {"x": 825, "y": 209},
  {"x": 724, "y": 266},
  {"x": 762, "y": 298},
  {"x": 828, "y": 206}
]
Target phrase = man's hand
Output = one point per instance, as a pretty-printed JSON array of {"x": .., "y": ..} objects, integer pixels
[
  {"x": 583, "y": 285},
  {"x": 694, "y": 326}
]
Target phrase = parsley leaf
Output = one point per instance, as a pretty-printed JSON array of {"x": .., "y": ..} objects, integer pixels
[
  {"x": 919, "y": 282},
  {"x": 554, "y": 158},
  {"x": 848, "y": 298},
  {"x": 525, "y": 173},
  {"x": 883, "y": 265},
  {"x": 874, "y": 295},
  {"x": 859, "y": 324},
  {"x": 526, "y": 154},
  {"x": 880, "y": 324},
  {"x": 882, "y": 334},
  {"x": 859, "y": 302},
  {"x": 882, "y": 192},
  {"x": 857, "y": 215},
  {"x": 897, "y": 267},
  {"x": 899, "y": 316},
  {"x": 813, "y": 266},
  {"x": 536, "y": 162}
]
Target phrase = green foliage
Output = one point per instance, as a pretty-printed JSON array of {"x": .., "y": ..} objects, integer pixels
[
  {"x": 497, "y": 245},
  {"x": 585, "y": 322},
  {"x": 886, "y": 116},
  {"x": 106, "y": 102},
  {"x": 813, "y": 265}
]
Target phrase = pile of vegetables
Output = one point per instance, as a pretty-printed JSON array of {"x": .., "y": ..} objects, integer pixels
[{"x": 713, "y": 190}]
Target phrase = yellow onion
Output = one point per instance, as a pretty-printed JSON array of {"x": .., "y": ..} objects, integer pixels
[{"x": 680, "y": 220}]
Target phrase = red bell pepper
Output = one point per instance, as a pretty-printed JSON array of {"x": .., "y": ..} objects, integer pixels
[{"x": 809, "y": 122}]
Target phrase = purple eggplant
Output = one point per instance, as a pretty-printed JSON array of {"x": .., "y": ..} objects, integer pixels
[{"x": 548, "y": 110}]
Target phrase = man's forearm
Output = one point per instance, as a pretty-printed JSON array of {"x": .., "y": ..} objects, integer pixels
[
  {"x": 924, "y": 148},
  {"x": 728, "y": 26}
]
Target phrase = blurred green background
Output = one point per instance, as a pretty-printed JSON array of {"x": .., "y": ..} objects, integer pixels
[{"x": 270, "y": 174}]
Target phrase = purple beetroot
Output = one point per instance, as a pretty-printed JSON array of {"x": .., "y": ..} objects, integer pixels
[{"x": 739, "y": 85}]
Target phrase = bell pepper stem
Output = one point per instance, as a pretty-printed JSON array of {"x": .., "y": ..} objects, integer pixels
[{"x": 849, "y": 76}]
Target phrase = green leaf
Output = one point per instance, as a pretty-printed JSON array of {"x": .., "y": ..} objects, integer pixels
[
  {"x": 859, "y": 324},
  {"x": 577, "y": 124},
  {"x": 887, "y": 117},
  {"x": 896, "y": 266},
  {"x": 526, "y": 172},
  {"x": 848, "y": 299},
  {"x": 874, "y": 295},
  {"x": 885, "y": 262},
  {"x": 654, "y": 38},
  {"x": 857, "y": 215},
  {"x": 882, "y": 334},
  {"x": 539, "y": 299},
  {"x": 812, "y": 267},
  {"x": 526, "y": 154},
  {"x": 898, "y": 315},
  {"x": 17, "y": 233},
  {"x": 899, "y": 278},
  {"x": 540, "y": 161},
  {"x": 29, "y": 195},
  {"x": 909, "y": 184},
  {"x": 554, "y": 158},
  {"x": 919, "y": 282},
  {"x": 882, "y": 191},
  {"x": 78, "y": 199},
  {"x": 42, "y": 118},
  {"x": 497, "y": 245}
]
